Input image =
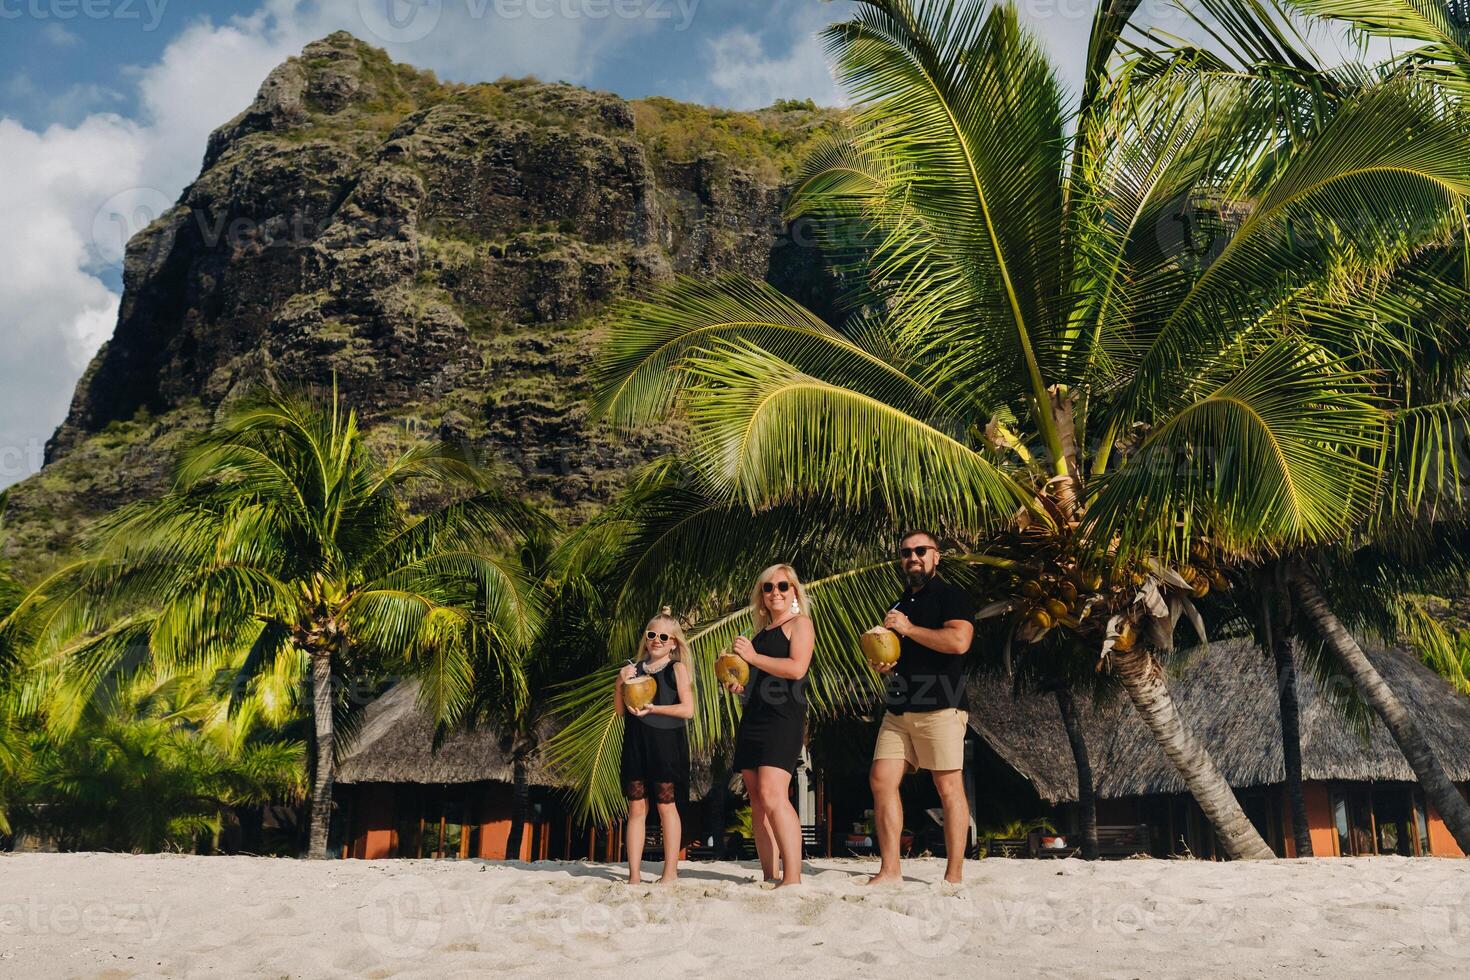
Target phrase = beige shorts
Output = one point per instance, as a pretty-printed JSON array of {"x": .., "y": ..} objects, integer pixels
[{"x": 933, "y": 740}]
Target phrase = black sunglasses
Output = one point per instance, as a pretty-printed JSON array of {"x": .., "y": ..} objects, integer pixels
[
  {"x": 920, "y": 551},
  {"x": 768, "y": 586},
  {"x": 662, "y": 636}
]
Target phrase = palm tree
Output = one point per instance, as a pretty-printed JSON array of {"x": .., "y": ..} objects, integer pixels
[
  {"x": 1106, "y": 358},
  {"x": 12, "y": 744},
  {"x": 284, "y": 538},
  {"x": 1428, "y": 404},
  {"x": 154, "y": 763}
]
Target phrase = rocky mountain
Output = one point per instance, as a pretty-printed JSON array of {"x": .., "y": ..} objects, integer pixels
[{"x": 443, "y": 251}]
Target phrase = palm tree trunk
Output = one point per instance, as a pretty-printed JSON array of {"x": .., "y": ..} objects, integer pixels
[
  {"x": 1405, "y": 731},
  {"x": 519, "y": 804},
  {"x": 323, "y": 754},
  {"x": 1291, "y": 741},
  {"x": 1145, "y": 685},
  {"x": 1275, "y": 632},
  {"x": 1086, "y": 793}
]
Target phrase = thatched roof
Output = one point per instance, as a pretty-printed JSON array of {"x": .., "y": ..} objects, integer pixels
[
  {"x": 1027, "y": 733},
  {"x": 396, "y": 745},
  {"x": 1226, "y": 694}
]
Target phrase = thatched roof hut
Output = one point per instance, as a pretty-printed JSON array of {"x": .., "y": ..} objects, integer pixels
[
  {"x": 396, "y": 745},
  {"x": 1226, "y": 695}
]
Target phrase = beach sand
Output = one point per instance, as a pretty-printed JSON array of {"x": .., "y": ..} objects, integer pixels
[{"x": 108, "y": 915}]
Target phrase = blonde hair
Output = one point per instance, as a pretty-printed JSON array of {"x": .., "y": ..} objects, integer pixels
[
  {"x": 676, "y": 633},
  {"x": 758, "y": 611}
]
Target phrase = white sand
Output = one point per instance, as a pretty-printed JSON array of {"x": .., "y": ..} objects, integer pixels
[{"x": 121, "y": 916}]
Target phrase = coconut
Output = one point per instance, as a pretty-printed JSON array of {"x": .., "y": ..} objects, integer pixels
[
  {"x": 730, "y": 669},
  {"x": 880, "y": 646},
  {"x": 638, "y": 693}
]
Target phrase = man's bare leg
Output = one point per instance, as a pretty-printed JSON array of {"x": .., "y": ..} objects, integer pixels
[
  {"x": 951, "y": 786},
  {"x": 884, "y": 778}
]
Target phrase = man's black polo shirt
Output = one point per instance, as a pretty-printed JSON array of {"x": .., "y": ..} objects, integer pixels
[{"x": 926, "y": 680}]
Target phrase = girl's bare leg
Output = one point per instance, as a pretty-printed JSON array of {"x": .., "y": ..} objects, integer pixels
[
  {"x": 636, "y": 832},
  {"x": 668, "y": 815}
]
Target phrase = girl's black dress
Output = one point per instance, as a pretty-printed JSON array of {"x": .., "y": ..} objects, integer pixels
[
  {"x": 656, "y": 747},
  {"x": 774, "y": 722}
]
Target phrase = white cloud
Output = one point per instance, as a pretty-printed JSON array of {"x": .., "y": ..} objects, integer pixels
[
  {"x": 58, "y": 35},
  {"x": 56, "y": 311},
  {"x": 745, "y": 75}
]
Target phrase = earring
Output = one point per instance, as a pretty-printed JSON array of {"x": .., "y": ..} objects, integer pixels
[{"x": 795, "y": 607}]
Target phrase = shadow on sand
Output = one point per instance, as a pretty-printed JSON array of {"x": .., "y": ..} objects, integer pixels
[{"x": 688, "y": 870}]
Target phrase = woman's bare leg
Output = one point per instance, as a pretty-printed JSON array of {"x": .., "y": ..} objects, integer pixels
[
  {"x": 760, "y": 827},
  {"x": 668, "y": 816},
  {"x": 636, "y": 832},
  {"x": 775, "y": 785}
]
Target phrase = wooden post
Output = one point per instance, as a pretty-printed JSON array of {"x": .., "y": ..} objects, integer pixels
[{"x": 1372, "y": 820}]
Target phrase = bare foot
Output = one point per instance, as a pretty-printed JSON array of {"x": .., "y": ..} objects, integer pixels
[
  {"x": 789, "y": 884},
  {"x": 886, "y": 878},
  {"x": 667, "y": 879},
  {"x": 635, "y": 879}
]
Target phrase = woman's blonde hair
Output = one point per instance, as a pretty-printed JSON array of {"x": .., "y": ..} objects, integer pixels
[
  {"x": 757, "y": 604},
  {"x": 665, "y": 622}
]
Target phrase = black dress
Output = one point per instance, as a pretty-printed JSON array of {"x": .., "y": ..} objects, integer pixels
[
  {"x": 774, "y": 722},
  {"x": 656, "y": 747}
]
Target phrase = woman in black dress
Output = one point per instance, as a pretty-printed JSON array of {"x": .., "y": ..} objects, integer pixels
[
  {"x": 656, "y": 742},
  {"x": 773, "y": 725}
]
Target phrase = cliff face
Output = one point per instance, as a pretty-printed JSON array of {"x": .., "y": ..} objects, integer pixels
[{"x": 443, "y": 251}]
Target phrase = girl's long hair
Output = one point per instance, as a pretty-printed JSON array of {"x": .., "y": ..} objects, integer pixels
[
  {"x": 758, "y": 611},
  {"x": 665, "y": 622}
]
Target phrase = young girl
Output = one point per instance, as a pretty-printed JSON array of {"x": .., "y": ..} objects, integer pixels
[
  {"x": 656, "y": 743},
  {"x": 773, "y": 724}
]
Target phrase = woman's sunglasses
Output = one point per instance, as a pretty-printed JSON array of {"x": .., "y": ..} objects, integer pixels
[
  {"x": 663, "y": 637},
  {"x": 766, "y": 587},
  {"x": 920, "y": 551}
]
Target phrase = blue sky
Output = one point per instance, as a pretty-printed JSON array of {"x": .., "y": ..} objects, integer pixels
[{"x": 105, "y": 106}]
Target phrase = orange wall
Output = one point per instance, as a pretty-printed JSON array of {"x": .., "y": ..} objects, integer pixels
[
  {"x": 373, "y": 820},
  {"x": 495, "y": 827},
  {"x": 1319, "y": 820},
  {"x": 1441, "y": 841}
]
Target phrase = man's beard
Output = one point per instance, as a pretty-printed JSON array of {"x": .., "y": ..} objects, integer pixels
[{"x": 917, "y": 578}]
